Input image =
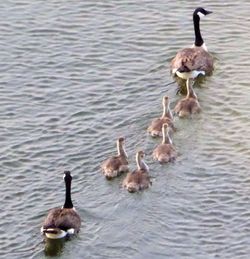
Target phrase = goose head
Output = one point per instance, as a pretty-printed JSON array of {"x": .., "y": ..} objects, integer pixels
[
  {"x": 201, "y": 12},
  {"x": 67, "y": 176}
]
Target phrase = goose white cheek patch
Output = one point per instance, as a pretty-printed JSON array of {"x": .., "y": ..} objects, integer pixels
[{"x": 201, "y": 14}]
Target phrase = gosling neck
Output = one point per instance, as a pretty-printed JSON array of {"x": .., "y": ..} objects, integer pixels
[
  {"x": 166, "y": 111},
  {"x": 190, "y": 90},
  {"x": 165, "y": 136},
  {"x": 68, "y": 202},
  {"x": 198, "y": 38},
  {"x": 141, "y": 165},
  {"x": 121, "y": 149}
]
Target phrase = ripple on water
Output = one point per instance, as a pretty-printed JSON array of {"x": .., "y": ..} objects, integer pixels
[{"x": 75, "y": 76}]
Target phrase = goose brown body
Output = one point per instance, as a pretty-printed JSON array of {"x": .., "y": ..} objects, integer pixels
[
  {"x": 59, "y": 219},
  {"x": 188, "y": 105},
  {"x": 165, "y": 152},
  {"x": 116, "y": 165},
  {"x": 139, "y": 179},
  {"x": 155, "y": 128},
  {"x": 196, "y": 60}
]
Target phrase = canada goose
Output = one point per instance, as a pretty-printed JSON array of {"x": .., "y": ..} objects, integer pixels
[
  {"x": 165, "y": 152},
  {"x": 138, "y": 179},
  {"x": 188, "y": 105},
  {"x": 65, "y": 221},
  {"x": 194, "y": 61},
  {"x": 116, "y": 165},
  {"x": 155, "y": 127}
]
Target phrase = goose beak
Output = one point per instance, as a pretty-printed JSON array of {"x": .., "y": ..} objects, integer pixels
[{"x": 208, "y": 12}]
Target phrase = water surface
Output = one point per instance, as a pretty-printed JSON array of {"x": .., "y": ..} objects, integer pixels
[{"x": 74, "y": 76}]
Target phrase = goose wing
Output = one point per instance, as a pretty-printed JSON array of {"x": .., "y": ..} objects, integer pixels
[
  {"x": 63, "y": 219},
  {"x": 68, "y": 219},
  {"x": 50, "y": 220},
  {"x": 192, "y": 59}
]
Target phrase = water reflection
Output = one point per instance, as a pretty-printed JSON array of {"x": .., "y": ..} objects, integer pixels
[
  {"x": 54, "y": 247},
  {"x": 182, "y": 83}
]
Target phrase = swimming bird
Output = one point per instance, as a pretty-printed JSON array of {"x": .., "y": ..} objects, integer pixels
[
  {"x": 194, "y": 61},
  {"x": 139, "y": 179},
  {"x": 165, "y": 152},
  {"x": 65, "y": 221},
  {"x": 155, "y": 128},
  {"x": 188, "y": 105},
  {"x": 118, "y": 164}
]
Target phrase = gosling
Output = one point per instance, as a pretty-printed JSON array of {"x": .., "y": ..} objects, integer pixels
[
  {"x": 116, "y": 165},
  {"x": 155, "y": 128},
  {"x": 165, "y": 152},
  {"x": 139, "y": 179},
  {"x": 188, "y": 105}
]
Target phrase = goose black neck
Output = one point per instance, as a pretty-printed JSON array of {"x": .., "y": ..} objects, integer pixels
[
  {"x": 68, "y": 202},
  {"x": 198, "y": 38}
]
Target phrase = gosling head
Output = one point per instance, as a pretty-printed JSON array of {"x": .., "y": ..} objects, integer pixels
[
  {"x": 165, "y": 126},
  {"x": 165, "y": 129},
  {"x": 141, "y": 154},
  {"x": 165, "y": 100},
  {"x": 121, "y": 140}
]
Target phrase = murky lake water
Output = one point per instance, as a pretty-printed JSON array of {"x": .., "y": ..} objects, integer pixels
[{"x": 74, "y": 76}]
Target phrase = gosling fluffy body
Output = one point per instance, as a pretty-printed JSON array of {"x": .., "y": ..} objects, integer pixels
[
  {"x": 188, "y": 105},
  {"x": 116, "y": 165},
  {"x": 139, "y": 179},
  {"x": 165, "y": 152}
]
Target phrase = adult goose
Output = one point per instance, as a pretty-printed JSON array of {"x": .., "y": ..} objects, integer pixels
[
  {"x": 165, "y": 152},
  {"x": 188, "y": 105},
  {"x": 194, "y": 61},
  {"x": 155, "y": 128},
  {"x": 118, "y": 164},
  {"x": 65, "y": 221},
  {"x": 139, "y": 179}
]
